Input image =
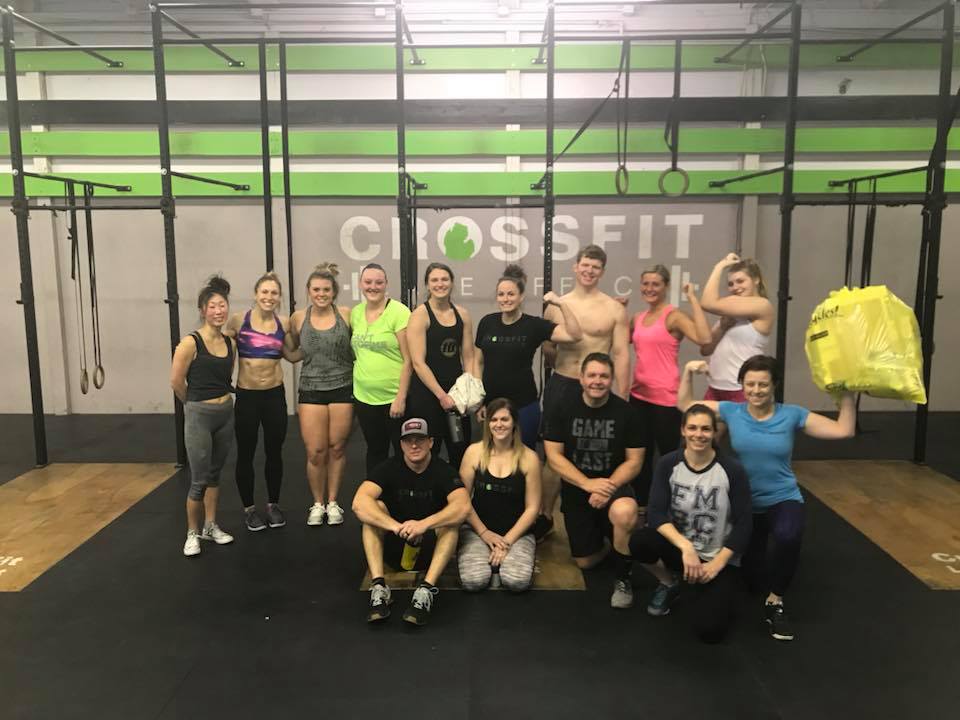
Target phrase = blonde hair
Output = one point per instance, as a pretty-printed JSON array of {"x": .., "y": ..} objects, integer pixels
[
  {"x": 326, "y": 271},
  {"x": 516, "y": 442},
  {"x": 272, "y": 277},
  {"x": 660, "y": 270},
  {"x": 752, "y": 269}
]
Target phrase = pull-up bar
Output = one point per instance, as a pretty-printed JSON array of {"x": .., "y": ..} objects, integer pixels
[
  {"x": 231, "y": 61},
  {"x": 878, "y": 176},
  {"x": 78, "y": 181}
]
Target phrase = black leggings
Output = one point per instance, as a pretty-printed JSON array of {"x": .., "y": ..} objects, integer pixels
[
  {"x": 254, "y": 408},
  {"x": 713, "y": 602},
  {"x": 379, "y": 430},
  {"x": 773, "y": 555},
  {"x": 661, "y": 427}
]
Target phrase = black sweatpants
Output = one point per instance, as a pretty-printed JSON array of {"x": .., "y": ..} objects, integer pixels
[
  {"x": 380, "y": 431},
  {"x": 661, "y": 427},
  {"x": 254, "y": 408},
  {"x": 713, "y": 602}
]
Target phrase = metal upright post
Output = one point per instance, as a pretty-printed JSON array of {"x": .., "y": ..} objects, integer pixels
[
  {"x": 549, "y": 200},
  {"x": 265, "y": 154},
  {"x": 408, "y": 284},
  {"x": 285, "y": 145},
  {"x": 21, "y": 212},
  {"x": 787, "y": 200},
  {"x": 936, "y": 201},
  {"x": 168, "y": 208}
]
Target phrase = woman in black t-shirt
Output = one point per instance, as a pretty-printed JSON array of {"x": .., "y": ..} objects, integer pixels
[
  {"x": 440, "y": 338},
  {"x": 507, "y": 342},
  {"x": 504, "y": 478}
]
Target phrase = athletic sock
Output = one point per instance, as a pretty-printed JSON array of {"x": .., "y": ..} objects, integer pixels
[
  {"x": 623, "y": 565},
  {"x": 378, "y": 581}
]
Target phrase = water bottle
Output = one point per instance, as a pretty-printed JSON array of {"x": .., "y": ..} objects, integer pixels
[
  {"x": 495, "y": 576},
  {"x": 454, "y": 427},
  {"x": 410, "y": 554}
]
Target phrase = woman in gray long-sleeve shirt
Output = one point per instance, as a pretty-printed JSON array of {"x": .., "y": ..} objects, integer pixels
[{"x": 698, "y": 525}]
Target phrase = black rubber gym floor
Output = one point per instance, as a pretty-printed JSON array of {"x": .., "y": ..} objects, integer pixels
[{"x": 272, "y": 625}]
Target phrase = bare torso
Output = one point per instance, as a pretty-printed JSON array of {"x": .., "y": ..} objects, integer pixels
[
  {"x": 597, "y": 314},
  {"x": 259, "y": 373}
]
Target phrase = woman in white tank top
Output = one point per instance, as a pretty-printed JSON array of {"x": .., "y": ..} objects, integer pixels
[{"x": 746, "y": 320}]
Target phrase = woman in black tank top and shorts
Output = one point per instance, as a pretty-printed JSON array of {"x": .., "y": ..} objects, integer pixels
[
  {"x": 325, "y": 398},
  {"x": 440, "y": 337},
  {"x": 201, "y": 377},
  {"x": 503, "y": 476}
]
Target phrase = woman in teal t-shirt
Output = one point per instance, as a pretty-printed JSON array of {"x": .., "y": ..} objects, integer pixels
[
  {"x": 762, "y": 431},
  {"x": 381, "y": 369}
]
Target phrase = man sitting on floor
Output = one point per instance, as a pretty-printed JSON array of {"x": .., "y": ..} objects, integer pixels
[
  {"x": 410, "y": 505},
  {"x": 595, "y": 443}
]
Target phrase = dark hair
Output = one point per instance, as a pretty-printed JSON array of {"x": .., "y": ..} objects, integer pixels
[
  {"x": 515, "y": 274},
  {"x": 597, "y": 357},
  {"x": 594, "y": 252},
  {"x": 326, "y": 271},
  {"x": 660, "y": 270},
  {"x": 436, "y": 266},
  {"x": 270, "y": 276},
  {"x": 373, "y": 266},
  {"x": 215, "y": 285},
  {"x": 699, "y": 409},
  {"x": 752, "y": 269},
  {"x": 760, "y": 363}
]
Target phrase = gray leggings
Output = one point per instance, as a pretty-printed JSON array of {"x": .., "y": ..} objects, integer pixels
[
  {"x": 473, "y": 560},
  {"x": 208, "y": 435}
]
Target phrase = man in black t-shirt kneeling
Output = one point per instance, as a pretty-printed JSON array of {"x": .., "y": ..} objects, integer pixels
[
  {"x": 595, "y": 443},
  {"x": 411, "y": 508}
]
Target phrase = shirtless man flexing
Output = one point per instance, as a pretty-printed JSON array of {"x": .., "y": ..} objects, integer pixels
[{"x": 605, "y": 330}]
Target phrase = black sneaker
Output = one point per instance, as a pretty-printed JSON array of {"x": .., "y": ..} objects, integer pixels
[
  {"x": 255, "y": 522},
  {"x": 661, "y": 600},
  {"x": 420, "y": 606},
  {"x": 542, "y": 527},
  {"x": 275, "y": 516},
  {"x": 380, "y": 601},
  {"x": 779, "y": 622}
]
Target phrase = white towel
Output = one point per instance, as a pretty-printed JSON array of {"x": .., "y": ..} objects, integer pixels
[{"x": 467, "y": 392}]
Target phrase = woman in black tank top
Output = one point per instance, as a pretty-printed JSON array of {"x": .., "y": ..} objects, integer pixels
[
  {"x": 201, "y": 377},
  {"x": 503, "y": 476},
  {"x": 440, "y": 337}
]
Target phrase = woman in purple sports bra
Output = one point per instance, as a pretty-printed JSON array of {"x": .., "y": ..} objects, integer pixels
[
  {"x": 262, "y": 340},
  {"x": 656, "y": 334}
]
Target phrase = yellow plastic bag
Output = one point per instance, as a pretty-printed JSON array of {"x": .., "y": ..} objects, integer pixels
[{"x": 866, "y": 340}]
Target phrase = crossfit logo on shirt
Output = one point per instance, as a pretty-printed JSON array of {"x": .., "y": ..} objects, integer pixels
[
  {"x": 592, "y": 450},
  {"x": 449, "y": 348}
]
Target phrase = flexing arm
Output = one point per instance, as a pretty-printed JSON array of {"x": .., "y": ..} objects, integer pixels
[
  {"x": 717, "y": 332},
  {"x": 752, "y": 307},
  {"x": 569, "y": 331},
  {"x": 685, "y": 391},
  {"x": 620, "y": 352},
  {"x": 823, "y": 428},
  {"x": 695, "y": 328}
]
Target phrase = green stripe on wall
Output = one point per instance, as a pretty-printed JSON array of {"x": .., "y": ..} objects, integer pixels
[
  {"x": 495, "y": 184},
  {"x": 465, "y": 143},
  {"x": 587, "y": 57}
]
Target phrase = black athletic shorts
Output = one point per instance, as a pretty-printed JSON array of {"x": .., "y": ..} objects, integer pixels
[
  {"x": 588, "y": 526},
  {"x": 326, "y": 397},
  {"x": 557, "y": 394},
  {"x": 393, "y": 550}
]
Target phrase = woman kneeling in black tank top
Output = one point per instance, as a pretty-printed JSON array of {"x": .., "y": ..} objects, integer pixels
[{"x": 503, "y": 475}]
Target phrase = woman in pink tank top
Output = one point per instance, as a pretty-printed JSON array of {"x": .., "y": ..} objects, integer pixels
[
  {"x": 656, "y": 334},
  {"x": 746, "y": 320}
]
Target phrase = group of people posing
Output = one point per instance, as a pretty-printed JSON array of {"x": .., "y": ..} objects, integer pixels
[{"x": 696, "y": 519}]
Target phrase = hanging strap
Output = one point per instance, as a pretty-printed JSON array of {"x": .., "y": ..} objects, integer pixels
[
  {"x": 76, "y": 274},
  {"x": 869, "y": 231},
  {"x": 622, "y": 176},
  {"x": 851, "y": 231},
  {"x": 99, "y": 375},
  {"x": 671, "y": 131}
]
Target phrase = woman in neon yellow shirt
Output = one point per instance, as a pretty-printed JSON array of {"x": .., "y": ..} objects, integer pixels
[{"x": 381, "y": 369}]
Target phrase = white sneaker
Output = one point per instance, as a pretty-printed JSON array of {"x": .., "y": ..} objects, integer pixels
[
  {"x": 317, "y": 511},
  {"x": 192, "y": 546},
  {"x": 213, "y": 532},
  {"x": 334, "y": 513}
]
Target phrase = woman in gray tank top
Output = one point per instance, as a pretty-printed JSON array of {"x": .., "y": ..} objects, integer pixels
[{"x": 325, "y": 400}]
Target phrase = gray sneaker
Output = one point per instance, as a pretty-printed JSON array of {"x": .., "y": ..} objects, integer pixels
[
  {"x": 622, "y": 597},
  {"x": 275, "y": 516},
  {"x": 255, "y": 523},
  {"x": 663, "y": 597},
  {"x": 380, "y": 601}
]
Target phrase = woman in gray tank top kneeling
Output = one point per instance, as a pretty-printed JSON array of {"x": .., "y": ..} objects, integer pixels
[{"x": 325, "y": 399}]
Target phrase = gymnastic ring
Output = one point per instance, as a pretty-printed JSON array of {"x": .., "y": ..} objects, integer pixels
[
  {"x": 99, "y": 377},
  {"x": 683, "y": 175},
  {"x": 84, "y": 382},
  {"x": 622, "y": 180}
]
